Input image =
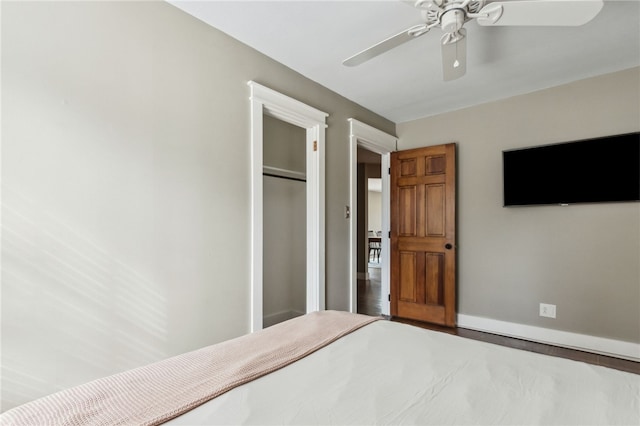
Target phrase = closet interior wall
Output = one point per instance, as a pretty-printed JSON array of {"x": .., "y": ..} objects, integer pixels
[{"x": 284, "y": 210}]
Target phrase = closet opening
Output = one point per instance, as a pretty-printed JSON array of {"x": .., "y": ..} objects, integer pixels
[
  {"x": 284, "y": 221},
  {"x": 266, "y": 102}
]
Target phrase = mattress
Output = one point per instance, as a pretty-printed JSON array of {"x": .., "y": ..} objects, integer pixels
[{"x": 392, "y": 373}]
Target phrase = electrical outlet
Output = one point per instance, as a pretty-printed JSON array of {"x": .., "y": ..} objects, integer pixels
[{"x": 547, "y": 310}]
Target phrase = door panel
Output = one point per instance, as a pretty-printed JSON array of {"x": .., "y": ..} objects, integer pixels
[
  {"x": 435, "y": 209},
  {"x": 423, "y": 254},
  {"x": 407, "y": 218},
  {"x": 434, "y": 278},
  {"x": 408, "y": 273}
]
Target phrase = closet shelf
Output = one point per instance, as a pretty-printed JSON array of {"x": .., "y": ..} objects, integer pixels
[{"x": 283, "y": 173}]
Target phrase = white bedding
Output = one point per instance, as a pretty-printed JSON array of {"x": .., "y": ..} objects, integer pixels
[{"x": 391, "y": 373}]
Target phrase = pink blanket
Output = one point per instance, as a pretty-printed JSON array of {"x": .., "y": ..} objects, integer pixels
[{"x": 158, "y": 392}]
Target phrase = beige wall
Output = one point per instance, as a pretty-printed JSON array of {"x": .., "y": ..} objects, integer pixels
[
  {"x": 374, "y": 211},
  {"x": 126, "y": 187},
  {"x": 284, "y": 145},
  {"x": 583, "y": 258}
]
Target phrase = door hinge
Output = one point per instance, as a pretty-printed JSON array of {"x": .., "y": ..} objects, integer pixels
[
  {"x": 315, "y": 145},
  {"x": 389, "y": 170},
  {"x": 389, "y": 297},
  {"x": 389, "y": 234}
]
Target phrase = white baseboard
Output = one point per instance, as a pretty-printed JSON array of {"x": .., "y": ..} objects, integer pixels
[{"x": 584, "y": 342}]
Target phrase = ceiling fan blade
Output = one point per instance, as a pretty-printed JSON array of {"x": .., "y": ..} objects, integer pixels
[
  {"x": 454, "y": 55},
  {"x": 385, "y": 45},
  {"x": 539, "y": 12}
]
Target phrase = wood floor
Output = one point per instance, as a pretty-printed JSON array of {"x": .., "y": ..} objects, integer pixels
[
  {"x": 370, "y": 303},
  {"x": 369, "y": 298}
]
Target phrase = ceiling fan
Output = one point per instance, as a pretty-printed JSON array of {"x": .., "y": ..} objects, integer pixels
[{"x": 451, "y": 15}]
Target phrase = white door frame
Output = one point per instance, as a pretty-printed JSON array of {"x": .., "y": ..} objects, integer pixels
[
  {"x": 265, "y": 101},
  {"x": 382, "y": 143}
]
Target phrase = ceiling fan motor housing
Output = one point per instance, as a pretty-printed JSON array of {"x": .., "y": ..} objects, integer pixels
[{"x": 452, "y": 20}]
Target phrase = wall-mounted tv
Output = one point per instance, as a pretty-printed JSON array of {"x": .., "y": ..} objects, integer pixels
[{"x": 597, "y": 170}]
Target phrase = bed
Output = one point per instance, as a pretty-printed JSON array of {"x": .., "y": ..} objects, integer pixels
[{"x": 346, "y": 369}]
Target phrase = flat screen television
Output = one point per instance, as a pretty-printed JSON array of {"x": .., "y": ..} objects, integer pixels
[{"x": 597, "y": 170}]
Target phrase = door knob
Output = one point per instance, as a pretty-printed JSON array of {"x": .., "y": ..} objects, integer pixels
[{"x": 448, "y": 246}]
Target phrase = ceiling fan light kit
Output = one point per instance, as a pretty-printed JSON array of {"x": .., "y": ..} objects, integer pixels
[{"x": 451, "y": 15}]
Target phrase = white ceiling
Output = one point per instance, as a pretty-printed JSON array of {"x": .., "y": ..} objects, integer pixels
[{"x": 314, "y": 37}]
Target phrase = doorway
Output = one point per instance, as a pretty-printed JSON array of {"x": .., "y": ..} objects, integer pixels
[
  {"x": 370, "y": 259},
  {"x": 382, "y": 144},
  {"x": 268, "y": 102}
]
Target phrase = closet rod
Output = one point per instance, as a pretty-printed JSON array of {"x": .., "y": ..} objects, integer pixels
[
  {"x": 284, "y": 177},
  {"x": 283, "y": 173}
]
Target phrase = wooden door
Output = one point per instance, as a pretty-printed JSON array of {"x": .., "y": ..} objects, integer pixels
[{"x": 423, "y": 251}]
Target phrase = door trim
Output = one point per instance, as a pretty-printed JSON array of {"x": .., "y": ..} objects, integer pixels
[
  {"x": 361, "y": 134},
  {"x": 265, "y": 101}
]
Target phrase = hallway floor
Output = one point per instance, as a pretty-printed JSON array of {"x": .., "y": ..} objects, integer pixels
[{"x": 369, "y": 298}]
